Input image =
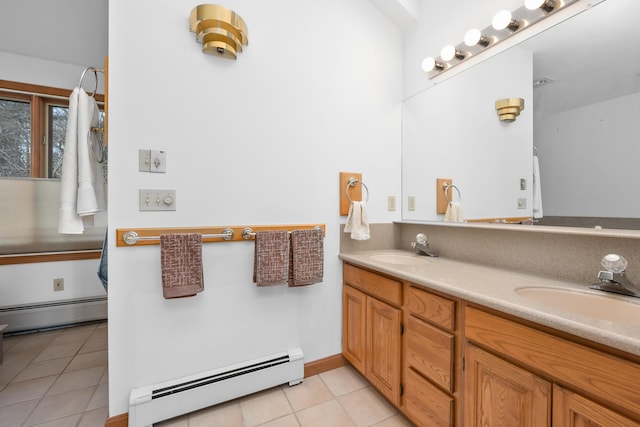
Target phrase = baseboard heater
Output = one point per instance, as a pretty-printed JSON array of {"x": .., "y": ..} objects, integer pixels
[
  {"x": 154, "y": 403},
  {"x": 53, "y": 314}
]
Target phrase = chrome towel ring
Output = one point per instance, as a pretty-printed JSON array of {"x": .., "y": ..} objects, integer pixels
[
  {"x": 95, "y": 74},
  {"x": 352, "y": 183},
  {"x": 446, "y": 188}
]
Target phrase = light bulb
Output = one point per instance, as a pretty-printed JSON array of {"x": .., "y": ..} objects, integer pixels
[
  {"x": 501, "y": 20},
  {"x": 472, "y": 37},
  {"x": 546, "y": 5},
  {"x": 448, "y": 53},
  {"x": 429, "y": 64}
]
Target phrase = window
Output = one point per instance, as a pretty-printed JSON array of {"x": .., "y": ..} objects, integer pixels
[{"x": 33, "y": 122}]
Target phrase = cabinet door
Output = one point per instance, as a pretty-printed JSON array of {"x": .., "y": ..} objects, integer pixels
[
  {"x": 573, "y": 410},
  {"x": 354, "y": 311},
  {"x": 383, "y": 348},
  {"x": 499, "y": 394}
]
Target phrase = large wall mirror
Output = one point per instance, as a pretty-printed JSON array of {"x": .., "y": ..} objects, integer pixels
[
  {"x": 47, "y": 44},
  {"x": 584, "y": 128}
]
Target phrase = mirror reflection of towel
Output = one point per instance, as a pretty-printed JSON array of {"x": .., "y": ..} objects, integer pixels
[
  {"x": 453, "y": 213},
  {"x": 357, "y": 222},
  {"x": 181, "y": 263}
]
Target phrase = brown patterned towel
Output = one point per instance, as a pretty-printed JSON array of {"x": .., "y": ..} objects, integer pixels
[
  {"x": 307, "y": 257},
  {"x": 181, "y": 262},
  {"x": 271, "y": 258}
]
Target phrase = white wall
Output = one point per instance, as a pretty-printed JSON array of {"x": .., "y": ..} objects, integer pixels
[
  {"x": 257, "y": 141},
  {"x": 589, "y": 159}
]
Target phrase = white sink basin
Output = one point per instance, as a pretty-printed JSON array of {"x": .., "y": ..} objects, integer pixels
[
  {"x": 399, "y": 259},
  {"x": 597, "y": 305}
]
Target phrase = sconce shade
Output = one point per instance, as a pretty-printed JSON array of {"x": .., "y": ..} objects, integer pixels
[
  {"x": 509, "y": 108},
  {"x": 221, "y": 31}
]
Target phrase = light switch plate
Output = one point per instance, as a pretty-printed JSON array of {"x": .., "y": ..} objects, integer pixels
[
  {"x": 523, "y": 183},
  {"x": 144, "y": 160},
  {"x": 522, "y": 203},
  {"x": 391, "y": 203},
  {"x": 411, "y": 203},
  {"x": 157, "y": 200}
]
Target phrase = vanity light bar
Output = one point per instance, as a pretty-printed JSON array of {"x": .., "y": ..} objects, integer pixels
[{"x": 476, "y": 41}]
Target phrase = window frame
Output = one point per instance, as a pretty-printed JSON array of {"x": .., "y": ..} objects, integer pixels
[{"x": 39, "y": 98}]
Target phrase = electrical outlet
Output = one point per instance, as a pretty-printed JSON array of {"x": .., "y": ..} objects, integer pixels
[
  {"x": 411, "y": 203},
  {"x": 58, "y": 285},
  {"x": 158, "y": 161},
  {"x": 391, "y": 203},
  {"x": 522, "y": 203},
  {"x": 523, "y": 183}
]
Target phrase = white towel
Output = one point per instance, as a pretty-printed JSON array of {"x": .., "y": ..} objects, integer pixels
[
  {"x": 537, "y": 189},
  {"x": 82, "y": 183},
  {"x": 357, "y": 222},
  {"x": 453, "y": 212}
]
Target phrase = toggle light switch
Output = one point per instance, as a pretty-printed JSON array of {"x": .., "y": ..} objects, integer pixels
[{"x": 157, "y": 200}]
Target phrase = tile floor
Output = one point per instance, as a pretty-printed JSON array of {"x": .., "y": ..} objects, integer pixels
[
  {"x": 55, "y": 378},
  {"x": 59, "y": 378},
  {"x": 338, "y": 398}
]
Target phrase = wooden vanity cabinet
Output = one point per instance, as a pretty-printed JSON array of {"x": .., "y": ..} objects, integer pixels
[
  {"x": 371, "y": 329},
  {"x": 516, "y": 374},
  {"x": 430, "y": 343}
]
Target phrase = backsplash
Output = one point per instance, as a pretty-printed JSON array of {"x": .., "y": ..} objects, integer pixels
[{"x": 565, "y": 254}]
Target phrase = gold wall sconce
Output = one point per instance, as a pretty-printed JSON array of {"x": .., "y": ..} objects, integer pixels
[
  {"x": 509, "y": 108},
  {"x": 221, "y": 31}
]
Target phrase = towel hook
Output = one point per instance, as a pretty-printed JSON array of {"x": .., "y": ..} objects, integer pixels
[
  {"x": 446, "y": 188},
  {"x": 352, "y": 183}
]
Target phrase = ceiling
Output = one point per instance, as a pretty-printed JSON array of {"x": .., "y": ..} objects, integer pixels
[
  {"x": 69, "y": 31},
  {"x": 590, "y": 57}
]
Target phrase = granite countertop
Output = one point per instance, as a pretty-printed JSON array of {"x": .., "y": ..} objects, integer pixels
[{"x": 496, "y": 288}]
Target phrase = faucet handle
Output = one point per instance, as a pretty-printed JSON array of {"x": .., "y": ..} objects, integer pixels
[
  {"x": 614, "y": 263},
  {"x": 605, "y": 276},
  {"x": 421, "y": 239}
]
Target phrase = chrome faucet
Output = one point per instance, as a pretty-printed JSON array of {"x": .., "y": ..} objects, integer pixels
[
  {"x": 421, "y": 246},
  {"x": 614, "y": 278}
]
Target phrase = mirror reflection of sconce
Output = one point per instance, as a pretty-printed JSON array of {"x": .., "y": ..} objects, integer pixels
[
  {"x": 509, "y": 108},
  {"x": 221, "y": 31}
]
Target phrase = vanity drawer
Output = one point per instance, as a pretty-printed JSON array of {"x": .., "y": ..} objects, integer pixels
[
  {"x": 426, "y": 404},
  {"x": 432, "y": 308},
  {"x": 430, "y": 351},
  {"x": 374, "y": 284}
]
